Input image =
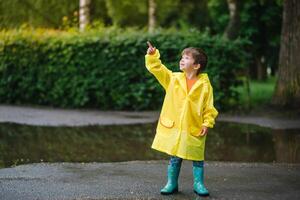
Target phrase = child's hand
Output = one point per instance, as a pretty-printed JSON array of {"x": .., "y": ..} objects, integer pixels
[
  {"x": 151, "y": 49},
  {"x": 204, "y": 131}
]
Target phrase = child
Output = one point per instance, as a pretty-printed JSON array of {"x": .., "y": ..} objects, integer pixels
[{"x": 186, "y": 115}]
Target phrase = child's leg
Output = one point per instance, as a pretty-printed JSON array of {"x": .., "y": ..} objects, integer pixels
[
  {"x": 198, "y": 171},
  {"x": 197, "y": 163},
  {"x": 175, "y": 161},
  {"x": 173, "y": 173}
]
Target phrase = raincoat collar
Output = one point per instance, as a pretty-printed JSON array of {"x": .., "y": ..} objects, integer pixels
[{"x": 202, "y": 78}]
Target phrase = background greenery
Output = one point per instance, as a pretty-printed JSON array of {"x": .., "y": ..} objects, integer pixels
[
  {"x": 260, "y": 19},
  {"x": 59, "y": 66},
  {"x": 106, "y": 69}
]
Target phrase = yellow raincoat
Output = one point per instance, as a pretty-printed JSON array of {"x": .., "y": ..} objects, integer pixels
[{"x": 183, "y": 113}]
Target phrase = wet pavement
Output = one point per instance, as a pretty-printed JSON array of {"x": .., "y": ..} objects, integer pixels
[
  {"x": 44, "y": 116},
  {"x": 143, "y": 180}
]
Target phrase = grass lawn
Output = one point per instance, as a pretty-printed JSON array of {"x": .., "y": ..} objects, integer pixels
[
  {"x": 258, "y": 101},
  {"x": 260, "y": 93}
]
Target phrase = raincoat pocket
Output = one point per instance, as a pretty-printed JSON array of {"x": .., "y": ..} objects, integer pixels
[
  {"x": 192, "y": 137},
  {"x": 194, "y": 131},
  {"x": 168, "y": 123}
]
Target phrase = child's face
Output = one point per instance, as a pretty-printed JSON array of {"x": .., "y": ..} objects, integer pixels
[{"x": 187, "y": 63}]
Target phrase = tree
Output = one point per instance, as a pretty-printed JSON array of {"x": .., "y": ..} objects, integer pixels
[
  {"x": 260, "y": 22},
  {"x": 127, "y": 13},
  {"x": 35, "y": 13},
  {"x": 183, "y": 14},
  {"x": 287, "y": 91},
  {"x": 232, "y": 29},
  {"x": 151, "y": 15},
  {"x": 84, "y": 14}
]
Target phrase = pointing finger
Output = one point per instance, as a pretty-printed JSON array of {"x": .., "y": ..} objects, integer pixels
[{"x": 149, "y": 44}]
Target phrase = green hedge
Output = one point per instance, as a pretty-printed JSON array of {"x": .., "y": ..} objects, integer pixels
[{"x": 105, "y": 69}]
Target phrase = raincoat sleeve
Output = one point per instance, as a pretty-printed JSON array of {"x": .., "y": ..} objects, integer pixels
[
  {"x": 209, "y": 111},
  {"x": 160, "y": 71}
]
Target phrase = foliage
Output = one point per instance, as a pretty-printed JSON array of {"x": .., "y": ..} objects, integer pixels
[
  {"x": 37, "y": 13},
  {"x": 260, "y": 19},
  {"x": 122, "y": 13},
  {"x": 260, "y": 23},
  {"x": 105, "y": 68},
  {"x": 260, "y": 93}
]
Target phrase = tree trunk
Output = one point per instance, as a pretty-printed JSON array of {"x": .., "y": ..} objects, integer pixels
[
  {"x": 261, "y": 69},
  {"x": 84, "y": 14},
  {"x": 287, "y": 91},
  {"x": 151, "y": 15},
  {"x": 232, "y": 29}
]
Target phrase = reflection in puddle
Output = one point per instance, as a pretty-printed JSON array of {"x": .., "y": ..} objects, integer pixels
[
  {"x": 21, "y": 144},
  {"x": 249, "y": 143}
]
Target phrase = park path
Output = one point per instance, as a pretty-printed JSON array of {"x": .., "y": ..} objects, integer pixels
[
  {"x": 143, "y": 180},
  {"x": 43, "y": 116},
  {"x": 139, "y": 179}
]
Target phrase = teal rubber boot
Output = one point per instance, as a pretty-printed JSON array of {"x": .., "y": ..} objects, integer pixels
[
  {"x": 172, "y": 184},
  {"x": 199, "y": 187}
]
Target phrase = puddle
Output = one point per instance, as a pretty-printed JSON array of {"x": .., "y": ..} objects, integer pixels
[{"x": 20, "y": 144}]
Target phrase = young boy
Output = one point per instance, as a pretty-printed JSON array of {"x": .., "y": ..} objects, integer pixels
[{"x": 186, "y": 115}]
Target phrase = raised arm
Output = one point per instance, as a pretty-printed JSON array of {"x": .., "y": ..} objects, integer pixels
[{"x": 154, "y": 66}]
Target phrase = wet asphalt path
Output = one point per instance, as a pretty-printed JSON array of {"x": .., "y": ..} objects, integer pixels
[
  {"x": 45, "y": 116},
  {"x": 143, "y": 180},
  {"x": 139, "y": 179}
]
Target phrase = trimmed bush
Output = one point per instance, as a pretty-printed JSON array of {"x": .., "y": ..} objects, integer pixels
[{"x": 105, "y": 69}]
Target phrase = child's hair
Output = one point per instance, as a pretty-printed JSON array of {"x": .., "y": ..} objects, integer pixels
[{"x": 199, "y": 56}]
